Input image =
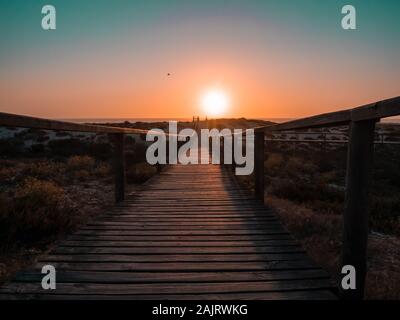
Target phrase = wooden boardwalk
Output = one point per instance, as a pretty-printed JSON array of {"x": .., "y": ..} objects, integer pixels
[{"x": 191, "y": 233}]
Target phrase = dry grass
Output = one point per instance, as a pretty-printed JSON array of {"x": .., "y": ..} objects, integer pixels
[
  {"x": 140, "y": 172},
  {"x": 29, "y": 228},
  {"x": 42, "y": 200},
  {"x": 76, "y": 163},
  {"x": 37, "y": 209}
]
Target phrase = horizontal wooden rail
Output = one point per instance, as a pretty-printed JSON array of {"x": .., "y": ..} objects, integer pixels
[
  {"x": 14, "y": 120},
  {"x": 377, "y": 110}
]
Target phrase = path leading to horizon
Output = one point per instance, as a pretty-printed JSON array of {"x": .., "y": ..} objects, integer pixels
[{"x": 191, "y": 233}]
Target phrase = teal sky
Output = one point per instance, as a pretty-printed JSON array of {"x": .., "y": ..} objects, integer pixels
[{"x": 108, "y": 58}]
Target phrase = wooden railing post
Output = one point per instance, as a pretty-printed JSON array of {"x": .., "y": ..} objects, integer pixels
[
  {"x": 355, "y": 230},
  {"x": 259, "y": 165},
  {"x": 119, "y": 165}
]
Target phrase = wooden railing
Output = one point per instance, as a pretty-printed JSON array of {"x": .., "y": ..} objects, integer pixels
[
  {"x": 116, "y": 137},
  {"x": 361, "y": 122}
]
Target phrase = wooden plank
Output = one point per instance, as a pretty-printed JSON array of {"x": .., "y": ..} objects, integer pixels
[
  {"x": 191, "y": 244},
  {"x": 182, "y": 232},
  {"x": 289, "y": 295},
  {"x": 146, "y": 277},
  {"x": 195, "y": 220},
  {"x": 183, "y": 266},
  {"x": 166, "y": 288},
  {"x": 153, "y": 257},
  {"x": 176, "y": 250},
  {"x": 133, "y": 222},
  {"x": 178, "y": 238},
  {"x": 153, "y": 227}
]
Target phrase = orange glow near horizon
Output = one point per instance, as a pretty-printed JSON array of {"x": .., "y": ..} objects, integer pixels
[{"x": 251, "y": 93}]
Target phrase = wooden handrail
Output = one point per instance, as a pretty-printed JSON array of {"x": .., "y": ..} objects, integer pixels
[
  {"x": 373, "y": 111},
  {"x": 14, "y": 120},
  {"x": 21, "y": 121}
]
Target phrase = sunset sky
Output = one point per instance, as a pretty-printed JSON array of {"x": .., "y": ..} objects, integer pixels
[{"x": 276, "y": 58}]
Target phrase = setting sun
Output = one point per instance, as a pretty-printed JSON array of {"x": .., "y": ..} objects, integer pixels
[{"x": 214, "y": 102}]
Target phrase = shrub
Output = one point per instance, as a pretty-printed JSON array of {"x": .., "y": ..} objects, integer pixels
[
  {"x": 100, "y": 150},
  {"x": 62, "y": 134},
  {"x": 318, "y": 196},
  {"x": 68, "y": 147},
  {"x": 7, "y": 173},
  {"x": 102, "y": 170},
  {"x": 11, "y": 147},
  {"x": 273, "y": 162},
  {"x": 77, "y": 163},
  {"x": 140, "y": 172},
  {"x": 297, "y": 166},
  {"x": 37, "y": 149},
  {"x": 44, "y": 170},
  {"x": 81, "y": 175},
  {"x": 39, "y": 209},
  {"x": 136, "y": 153},
  {"x": 385, "y": 213}
]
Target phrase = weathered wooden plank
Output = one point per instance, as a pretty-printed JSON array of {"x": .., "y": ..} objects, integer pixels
[
  {"x": 166, "y": 288},
  {"x": 191, "y": 257},
  {"x": 142, "y": 227},
  {"x": 176, "y": 250},
  {"x": 143, "y": 277},
  {"x": 185, "y": 220},
  {"x": 182, "y": 232},
  {"x": 182, "y": 243},
  {"x": 134, "y": 222},
  {"x": 178, "y": 238},
  {"x": 183, "y": 266},
  {"x": 317, "y": 294}
]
